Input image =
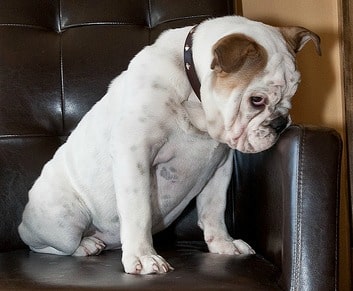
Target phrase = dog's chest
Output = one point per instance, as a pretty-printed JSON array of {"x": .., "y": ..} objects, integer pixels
[{"x": 182, "y": 167}]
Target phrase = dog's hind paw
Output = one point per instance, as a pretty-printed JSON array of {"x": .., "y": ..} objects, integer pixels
[
  {"x": 148, "y": 264},
  {"x": 89, "y": 246},
  {"x": 243, "y": 248},
  {"x": 230, "y": 247}
]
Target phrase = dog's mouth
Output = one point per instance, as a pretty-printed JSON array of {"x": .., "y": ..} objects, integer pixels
[
  {"x": 254, "y": 141},
  {"x": 251, "y": 146},
  {"x": 252, "y": 137}
]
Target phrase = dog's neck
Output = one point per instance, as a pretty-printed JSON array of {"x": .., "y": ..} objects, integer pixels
[{"x": 189, "y": 64}]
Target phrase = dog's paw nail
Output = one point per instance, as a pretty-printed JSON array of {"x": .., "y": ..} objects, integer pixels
[
  {"x": 138, "y": 268},
  {"x": 168, "y": 267},
  {"x": 87, "y": 252},
  {"x": 155, "y": 268},
  {"x": 100, "y": 246}
]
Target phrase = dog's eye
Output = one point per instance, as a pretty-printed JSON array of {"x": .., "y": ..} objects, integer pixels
[{"x": 257, "y": 101}]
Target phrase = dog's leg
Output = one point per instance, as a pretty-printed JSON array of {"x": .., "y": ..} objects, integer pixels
[
  {"x": 211, "y": 204},
  {"x": 132, "y": 160},
  {"x": 54, "y": 228}
]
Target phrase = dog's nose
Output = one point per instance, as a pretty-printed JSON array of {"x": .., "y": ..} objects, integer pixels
[{"x": 279, "y": 123}]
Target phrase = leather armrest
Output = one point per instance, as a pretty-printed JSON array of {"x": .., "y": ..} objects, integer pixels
[{"x": 286, "y": 205}]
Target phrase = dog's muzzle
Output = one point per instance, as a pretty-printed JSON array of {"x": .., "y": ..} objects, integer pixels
[{"x": 280, "y": 123}]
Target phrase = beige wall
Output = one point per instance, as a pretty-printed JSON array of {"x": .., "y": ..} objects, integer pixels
[{"x": 319, "y": 99}]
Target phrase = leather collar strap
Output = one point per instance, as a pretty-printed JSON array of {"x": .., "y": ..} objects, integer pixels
[{"x": 189, "y": 64}]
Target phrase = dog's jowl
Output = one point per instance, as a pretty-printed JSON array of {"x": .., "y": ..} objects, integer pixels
[{"x": 152, "y": 144}]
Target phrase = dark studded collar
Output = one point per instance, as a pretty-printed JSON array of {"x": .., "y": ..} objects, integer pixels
[{"x": 189, "y": 64}]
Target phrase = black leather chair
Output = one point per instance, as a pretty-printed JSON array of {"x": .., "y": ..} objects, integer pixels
[{"x": 56, "y": 60}]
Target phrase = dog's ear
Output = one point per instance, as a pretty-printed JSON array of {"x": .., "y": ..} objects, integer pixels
[
  {"x": 231, "y": 53},
  {"x": 297, "y": 37}
]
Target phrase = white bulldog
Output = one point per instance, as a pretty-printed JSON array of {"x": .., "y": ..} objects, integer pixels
[{"x": 150, "y": 145}]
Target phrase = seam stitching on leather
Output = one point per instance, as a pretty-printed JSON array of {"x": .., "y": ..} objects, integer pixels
[
  {"x": 34, "y": 135},
  {"x": 62, "y": 91},
  {"x": 338, "y": 174},
  {"x": 232, "y": 198},
  {"x": 25, "y": 26},
  {"x": 60, "y": 17},
  {"x": 298, "y": 248},
  {"x": 294, "y": 285},
  {"x": 62, "y": 87},
  {"x": 149, "y": 14},
  {"x": 202, "y": 17}
]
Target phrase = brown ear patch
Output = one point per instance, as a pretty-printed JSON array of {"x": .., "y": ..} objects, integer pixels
[{"x": 236, "y": 52}]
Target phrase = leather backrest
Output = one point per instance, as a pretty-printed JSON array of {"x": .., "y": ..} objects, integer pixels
[{"x": 57, "y": 58}]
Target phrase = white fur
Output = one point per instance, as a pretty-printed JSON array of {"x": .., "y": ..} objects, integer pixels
[{"x": 144, "y": 151}]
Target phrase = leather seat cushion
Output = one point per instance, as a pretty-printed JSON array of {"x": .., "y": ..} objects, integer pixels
[{"x": 195, "y": 269}]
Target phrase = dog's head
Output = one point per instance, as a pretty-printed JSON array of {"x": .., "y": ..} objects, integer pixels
[{"x": 246, "y": 94}]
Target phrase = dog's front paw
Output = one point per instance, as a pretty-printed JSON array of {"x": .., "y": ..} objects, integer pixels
[
  {"x": 230, "y": 247},
  {"x": 147, "y": 264}
]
